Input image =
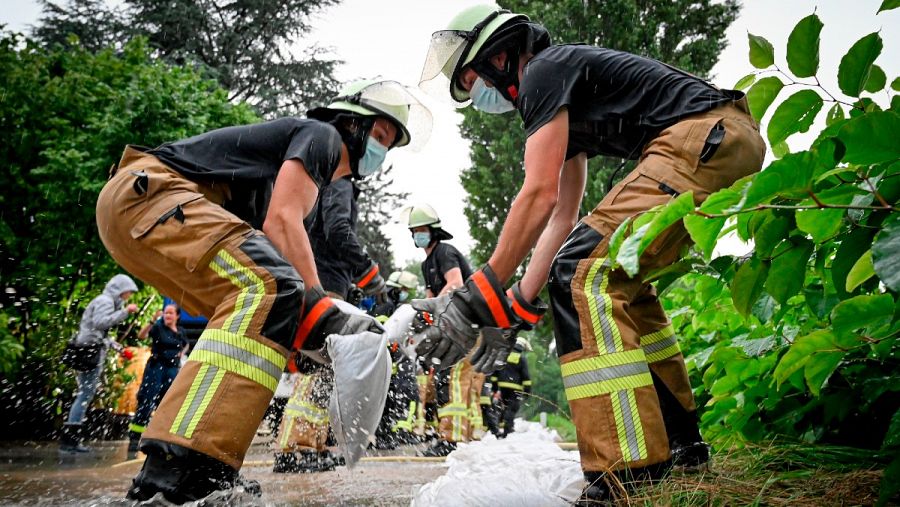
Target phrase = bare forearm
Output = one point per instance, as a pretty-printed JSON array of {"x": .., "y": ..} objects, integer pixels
[
  {"x": 562, "y": 221},
  {"x": 527, "y": 218},
  {"x": 293, "y": 243}
]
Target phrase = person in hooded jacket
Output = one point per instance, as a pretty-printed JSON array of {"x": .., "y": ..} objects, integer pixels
[
  {"x": 216, "y": 222},
  {"x": 104, "y": 312},
  {"x": 168, "y": 344},
  {"x": 618, "y": 350}
]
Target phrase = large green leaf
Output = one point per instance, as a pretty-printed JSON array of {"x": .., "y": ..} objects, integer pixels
[
  {"x": 790, "y": 176},
  {"x": 856, "y": 65},
  {"x": 770, "y": 233},
  {"x": 748, "y": 284},
  {"x": 801, "y": 351},
  {"x": 821, "y": 224},
  {"x": 788, "y": 268},
  {"x": 887, "y": 5},
  {"x": 745, "y": 81},
  {"x": 762, "y": 94},
  {"x": 705, "y": 231},
  {"x": 860, "y": 272},
  {"x": 819, "y": 368},
  {"x": 871, "y": 138},
  {"x": 794, "y": 115},
  {"x": 633, "y": 246},
  {"x": 895, "y": 84},
  {"x": 803, "y": 46},
  {"x": 877, "y": 80},
  {"x": 886, "y": 254},
  {"x": 762, "y": 54},
  {"x": 835, "y": 114},
  {"x": 852, "y": 247},
  {"x": 860, "y": 312}
]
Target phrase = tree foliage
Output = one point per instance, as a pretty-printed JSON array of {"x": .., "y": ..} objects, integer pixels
[
  {"x": 65, "y": 116},
  {"x": 799, "y": 338},
  {"x": 246, "y": 45}
]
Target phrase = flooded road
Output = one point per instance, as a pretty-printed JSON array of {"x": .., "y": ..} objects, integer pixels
[{"x": 31, "y": 474}]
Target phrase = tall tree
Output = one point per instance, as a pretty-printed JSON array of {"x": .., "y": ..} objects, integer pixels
[
  {"x": 246, "y": 45},
  {"x": 686, "y": 33}
]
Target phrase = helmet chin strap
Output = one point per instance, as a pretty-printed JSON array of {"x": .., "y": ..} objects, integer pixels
[
  {"x": 353, "y": 138},
  {"x": 505, "y": 80}
]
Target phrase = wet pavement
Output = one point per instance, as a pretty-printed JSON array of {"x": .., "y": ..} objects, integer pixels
[{"x": 32, "y": 473}]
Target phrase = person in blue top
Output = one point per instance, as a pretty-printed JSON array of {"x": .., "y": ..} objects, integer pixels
[{"x": 168, "y": 346}]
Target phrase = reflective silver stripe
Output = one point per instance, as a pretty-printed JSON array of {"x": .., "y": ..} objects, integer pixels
[
  {"x": 597, "y": 294},
  {"x": 198, "y": 399},
  {"x": 660, "y": 345},
  {"x": 603, "y": 374},
  {"x": 628, "y": 420},
  {"x": 250, "y": 290},
  {"x": 240, "y": 355}
]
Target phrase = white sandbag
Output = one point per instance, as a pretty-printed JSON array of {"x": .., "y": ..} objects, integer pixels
[
  {"x": 362, "y": 372},
  {"x": 399, "y": 329},
  {"x": 525, "y": 469}
]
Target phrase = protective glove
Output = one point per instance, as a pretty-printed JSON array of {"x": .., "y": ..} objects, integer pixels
[
  {"x": 457, "y": 316},
  {"x": 495, "y": 345},
  {"x": 320, "y": 317},
  {"x": 370, "y": 281}
]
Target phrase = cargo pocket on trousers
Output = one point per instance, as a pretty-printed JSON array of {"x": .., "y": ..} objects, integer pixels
[
  {"x": 703, "y": 141},
  {"x": 184, "y": 228}
]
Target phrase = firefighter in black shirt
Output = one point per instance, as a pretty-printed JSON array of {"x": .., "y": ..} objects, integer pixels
[
  {"x": 622, "y": 369},
  {"x": 216, "y": 222}
]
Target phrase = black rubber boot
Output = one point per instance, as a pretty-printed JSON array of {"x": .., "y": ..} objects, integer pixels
[
  {"x": 134, "y": 442},
  {"x": 689, "y": 451},
  {"x": 183, "y": 475},
  {"x": 439, "y": 449},
  {"x": 602, "y": 489},
  {"x": 70, "y": 440},
  {"x": 309, "y": 461},
  {"x": 286, "y": 463}
]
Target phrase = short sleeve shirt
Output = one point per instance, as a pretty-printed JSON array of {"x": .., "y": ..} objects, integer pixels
[
  {"x": 617, "y": 101},
  {"x": 442, "y": 259},
  {"x": 247, "y": 158}
]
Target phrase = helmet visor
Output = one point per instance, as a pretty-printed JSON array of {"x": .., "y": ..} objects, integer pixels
[
  {"x": 444, "y": 53},
  {"x": 395, "y": 101}
]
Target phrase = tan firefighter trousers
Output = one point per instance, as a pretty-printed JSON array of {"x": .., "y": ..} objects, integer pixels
[
  {"x": 173, "y": 234},
  {"x": 611, "y": 331},
  {"x": 305, "y": 422}
]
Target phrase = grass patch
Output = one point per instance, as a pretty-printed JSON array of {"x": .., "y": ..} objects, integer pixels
[{"x": 800, "y": 475}]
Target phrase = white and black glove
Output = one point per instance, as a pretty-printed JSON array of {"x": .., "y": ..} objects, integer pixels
[{"x": 458, "y": 316}]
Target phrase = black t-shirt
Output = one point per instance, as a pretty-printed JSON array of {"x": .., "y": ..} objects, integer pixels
[
  {"x": 247, "y": 158},
  {"x": 166, "y": 343},
  {"x": 617, "y": 101},
  {"x": 339, "y": 255},
  {"x": 443, "y": 258}
]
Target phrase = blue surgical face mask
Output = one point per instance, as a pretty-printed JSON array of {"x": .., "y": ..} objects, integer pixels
[
  {"x": 422, "y": 239},
  {"x": 487, "y": 99},
  {"x": 373, "y": 158},
  {"x": 403, "y": 295}
]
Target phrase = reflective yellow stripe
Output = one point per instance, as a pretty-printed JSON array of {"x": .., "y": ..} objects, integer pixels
[
  {"x": 514, "y": 358},
  {"x": 526, "y": 383},
  {"x": 137, "y": 428},
  {"x": 203, "y": 382},
  {"x": 252, "y": 290},
  {"x": 661, "y": 344},
  {"x": 485, "y": 400},
  {"x": 452, "y": 409},
  {"x": 407, "y": 424},
  {"x": 602, "y": 361},
  {"x": 594, "y": 376},
  {"x": 243, "y": 356},
  {"x": 628, "y": 425},
  {"x": 308, "y": 412},
  {"x": 510, "y": 385},
  {"x": 600, "y": 306},
  {"x": 204, "y": 402}
]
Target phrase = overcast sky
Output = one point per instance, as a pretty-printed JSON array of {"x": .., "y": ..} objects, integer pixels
[{"x": 389, "y": 38}]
